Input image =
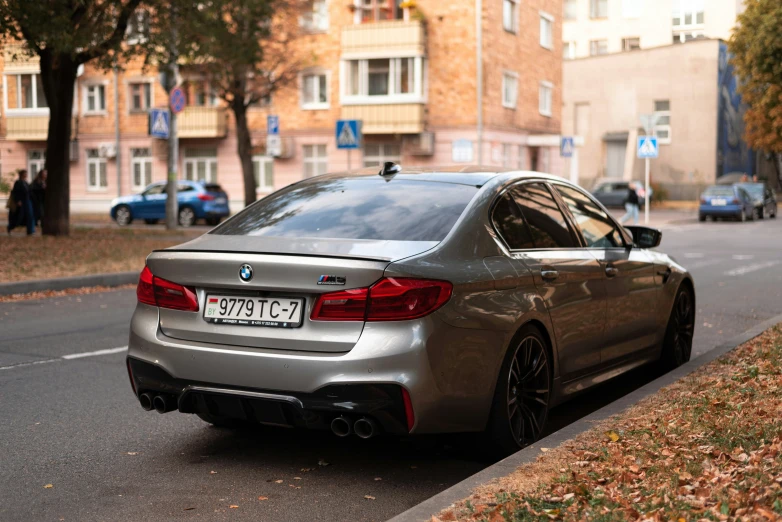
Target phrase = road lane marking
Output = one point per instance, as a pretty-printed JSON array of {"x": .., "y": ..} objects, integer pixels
[
  {"x": 67, "y": 357},
  {"x": 702, "y": 264},
  {"x": 750, "y": 268},
  {"x": 741, "y": 257}
]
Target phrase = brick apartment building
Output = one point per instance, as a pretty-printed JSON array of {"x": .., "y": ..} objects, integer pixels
[{"x": 406, "y": 69}]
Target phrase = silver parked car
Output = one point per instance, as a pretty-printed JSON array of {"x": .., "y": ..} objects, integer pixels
[{"x": 410, "y": 301}]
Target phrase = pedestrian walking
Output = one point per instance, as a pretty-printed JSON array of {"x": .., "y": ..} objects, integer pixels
[
  {"x": 38, "y": 193},
  {"x": 23, "y": 206},
  {"x": 631, "y": 204}
]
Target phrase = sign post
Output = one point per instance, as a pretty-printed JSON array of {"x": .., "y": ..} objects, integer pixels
[
  {"x": 349, "y": 136},
  {"x": 273, "y": 141},
  {"x": 647, "y": 149}
]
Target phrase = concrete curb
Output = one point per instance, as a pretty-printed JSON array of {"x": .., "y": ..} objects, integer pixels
[
  {"x": 65, "y": 283},
  {"x": 457, "y": 492}
]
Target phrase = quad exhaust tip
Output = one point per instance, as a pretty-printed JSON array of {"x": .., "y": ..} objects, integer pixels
[
  {"x": 163, "y": 403},
  {"x": 146, "y": 401},
  {"x": 341, "y": 426},
  {"x": 365, "y": 428}
]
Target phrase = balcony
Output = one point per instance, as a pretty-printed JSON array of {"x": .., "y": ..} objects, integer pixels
[
  {"x": 202, "y": 122},
  {"x": 386, "y": 38},
  {"x": 18, "y": 60},
  {"x": 397, "y": 118},
  {"x": 27, "y": 128}
]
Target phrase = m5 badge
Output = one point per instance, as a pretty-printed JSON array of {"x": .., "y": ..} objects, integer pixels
[{"x": 331, "y": 280}]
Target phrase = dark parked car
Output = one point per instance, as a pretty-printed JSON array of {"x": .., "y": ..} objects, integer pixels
[
  {"x": 197, "y": 200},
  {"x": 765, "y": 198},
  {"x": 727, "y": 201},
  {"x": 613, "y": 193}
]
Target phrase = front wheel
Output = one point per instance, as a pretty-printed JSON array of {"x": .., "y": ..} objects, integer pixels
[
  {"x": 521, "y": 398},
  {"x": 187, "y": 217},
  {"x": 123, "y": 216},
  {"x": 677, "y": 345}
]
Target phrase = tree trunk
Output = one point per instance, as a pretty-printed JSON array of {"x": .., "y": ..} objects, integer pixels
[
  {"x": 244, "y": 148},
  {"x": 58, "y": 75}
]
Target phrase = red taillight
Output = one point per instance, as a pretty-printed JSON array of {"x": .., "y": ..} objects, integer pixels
[
  {"x": 704, "y": 201},
  {"x": 409, "y": 413},
  {"x": 153, "y": 290},
  {"x": 734, "y": 201},
  {"x": 390, "y": 299},
  {"x": 206, "y": 197}
]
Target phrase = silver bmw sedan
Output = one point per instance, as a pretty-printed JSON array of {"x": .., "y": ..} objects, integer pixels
[{"x": 406, "y": 301}]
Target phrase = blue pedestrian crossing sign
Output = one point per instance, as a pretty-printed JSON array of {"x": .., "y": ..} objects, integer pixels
[
  {"x": 272, "y": 125},
  {"x": 348, "y": 134},
  {"x": 159, "y": 123},
  {"x": 566, "y": 147},
  {"x": 647, "y": 147}
]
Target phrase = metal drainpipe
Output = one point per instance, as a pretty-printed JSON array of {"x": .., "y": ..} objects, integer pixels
[
  {"x": 118, "y": 157},
  {"x": 479, "y": 73}
]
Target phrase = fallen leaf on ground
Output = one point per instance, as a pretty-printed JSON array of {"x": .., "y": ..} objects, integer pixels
[
  {"x": 234, "y": 506},
  {"x": 369, "y": 497},
  {"x": 133, "y": 453},
  {"x": 614, "y": 436},
  {"x": 296, "y": 478},
  {"x": 322, "y": 462},
  {"x": 294, "y": 487},
  {"x": 48, "y": 486},
  {"x": 378, "y": 478},
  {"x": 544, "y": 450},
  {"x": 263, "y": 498},
  {"x": 188, "y": 509},
  {"x": 305, "y": 470},
  {"x": 278, "y": 481}
]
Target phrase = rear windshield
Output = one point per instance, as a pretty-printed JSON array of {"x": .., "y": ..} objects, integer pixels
[
  {"x": 395, "y": 210},
  {"x": 213, "y": 187},
  {"x": 718, "y": 191}
]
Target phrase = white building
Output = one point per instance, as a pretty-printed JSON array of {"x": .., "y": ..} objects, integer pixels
[{"x": 595, "y": 27}]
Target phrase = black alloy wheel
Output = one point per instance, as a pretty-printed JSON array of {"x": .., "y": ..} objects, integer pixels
[{"x": 681, "y": 327}]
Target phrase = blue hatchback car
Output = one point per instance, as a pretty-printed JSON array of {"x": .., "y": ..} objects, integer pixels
[
  {"x": 197, "y": 200},
  {"x": 727, "y": 201}
]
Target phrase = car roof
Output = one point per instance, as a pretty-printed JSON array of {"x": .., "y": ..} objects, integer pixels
[{"x": 458, "y": 174}]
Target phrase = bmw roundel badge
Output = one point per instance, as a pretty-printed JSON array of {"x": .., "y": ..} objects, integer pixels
[{"x": 246, "y": 273}]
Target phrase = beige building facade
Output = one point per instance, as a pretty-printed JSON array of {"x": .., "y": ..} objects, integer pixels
[{"x": 408, "y": 70}]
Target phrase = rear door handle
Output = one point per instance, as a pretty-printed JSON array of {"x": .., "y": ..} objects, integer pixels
[
  {"x": 549, "y": 275},
  {"x": 612, "y": 271}
]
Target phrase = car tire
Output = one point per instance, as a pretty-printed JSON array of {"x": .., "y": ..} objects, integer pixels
[
  {"x": 517, "y": 418},
  {"x": 123, "y": 215},
  {"x": 151, "y": 221},
  {"x": 223, "y": 422},
  {"x": 213, "y": 221},
  {"x": 187, "y": 217},
  {"x": 773, "y": 215},
  {"x": 677, "y": 344},
  {"x": 761, "y": 214},
  {"x": 701, "y": 218}
]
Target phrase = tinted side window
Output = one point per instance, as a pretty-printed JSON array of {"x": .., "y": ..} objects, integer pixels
[
  {"x": 185, "y": 188},
  {"x": 546, "y": 222},
  {"x": 510, "y": 224},
  {"x": 157, "y": 189},
  {"x": 596, "y": 227}
]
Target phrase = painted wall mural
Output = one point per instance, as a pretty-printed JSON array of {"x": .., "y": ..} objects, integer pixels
[{"x": 733, "y": 153}]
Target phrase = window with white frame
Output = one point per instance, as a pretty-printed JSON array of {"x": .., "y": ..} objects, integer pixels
[
  {"x": 598, "y": 8},
  {"x": 315, "y": 160},
  {"x": 631, "y": 43},
  {"x": 200, "y": 164},
  {"x": 662, "y": 126},
  {"x": 598, "y": 47},
  {"x": 94, "y": 99},
  {"x": 24, "y": 91},
  {"x": 263, "y": 170},
  {"x": 199, "y": 93},
  {"x": 376, "y": 154},
  {"x": 140, "y": 96},
  {"x": 545, "y": 98},
  {"x": 314, "y": 90},
  {"x": 510, "y": 15},
  {"x": 688, "y": 13},
  {"x": 382, "y": 80},
  {"x": 367, "y": 11},
  {"x": 569, "y": 50},
  {"x": 316, "y": 17},
  {"x": 510, "y": 89},
  {"x": 97, "y": 178},
  {"x": 140, "y": 168},
  {"x": 546, "y": 30},
  {"x": 632, "y": 8},
  {"x": 570, "y": 9},
  {"x": 138, "y": 27}
]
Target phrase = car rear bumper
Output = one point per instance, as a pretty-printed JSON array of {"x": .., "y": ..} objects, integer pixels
[{"x": 726, "y": 210}]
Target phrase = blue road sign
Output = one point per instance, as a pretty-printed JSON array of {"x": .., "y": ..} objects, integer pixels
[
  {"x": 177, "y": 100},
  {"x": 159, "y": 123},
  {"x": 566, "y": 147},
  {"x": 647, "y": 147},
  {"x": 348, "y": 134},
  {"x": 272, "y": 125}
]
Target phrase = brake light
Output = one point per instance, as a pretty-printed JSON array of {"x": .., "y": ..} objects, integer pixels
[
  {"x": 155, "y": 291},
  {"x": 206, "y": 197},
  {"x": 704, "y": 201},
  {"x": 390, "y": 299},
  {"x": 734, "y": 201}
]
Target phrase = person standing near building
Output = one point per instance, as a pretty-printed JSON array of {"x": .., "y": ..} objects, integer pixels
[
  {"x": 24, "y": 205},
  {"x": 38, "y": 194},
  {"x": 631, "y": 204}
]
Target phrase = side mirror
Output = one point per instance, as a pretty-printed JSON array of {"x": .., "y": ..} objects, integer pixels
[{"x": 645, "y": 237}]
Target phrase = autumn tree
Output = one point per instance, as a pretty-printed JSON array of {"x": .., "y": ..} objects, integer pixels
[
  {"x": 756, "y": 46},
  {"x": 65, "y": 34}
]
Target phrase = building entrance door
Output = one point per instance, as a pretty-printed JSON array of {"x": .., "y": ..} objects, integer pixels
[{"x": 615, "y": 159}]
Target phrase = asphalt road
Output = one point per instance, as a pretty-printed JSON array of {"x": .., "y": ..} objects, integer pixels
[{"x": 69, "y": 418}]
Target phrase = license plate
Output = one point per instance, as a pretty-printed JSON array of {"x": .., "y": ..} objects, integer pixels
[
  {"x": 220, "y": 201},
  {"x": 275, "y": 312},
  {"x": 719, "y": 202}
]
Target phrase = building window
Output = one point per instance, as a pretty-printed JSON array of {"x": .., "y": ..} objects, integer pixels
[
  {"x": 546, "y": 30},
  {"x": 571, "y": 9},
  {"x": 94, "y": 99},
  {"x": 138, "y": 27},
  {"x": 199, "y": 93},
  {"x": 510, "y": 15},
  {"x": 569, "y": 50},
  {"x": 263, "y": 170},
  {"x": 201, "y": 165},
  {"x": 688, "y": 13},
  {"x": 96, "y": 171},
  {"x": 598, "y": 8},
  {"x": 24, "y": 91},
  {"x": 631, "y": 8},
  {"x": 662, "y": 125},
  {"x": 398, "y": 79},
  {"x": 140, "y": 96},
  {"x": 598, "y": 47},
  {"x": 545, "y": 95},
  {"x": 316, "y": 17},
  {"x": 510, "y": 89},
  {"x": 314, "y": 90},
  {"x": 631, "y": 44},
  {"x": 315, "y": 160},
  {"x": 687, "y": 36},
  {"x": 140, "y": 168},
  {"x": 36, "y": 159},
  {"x": 367, "y": 11},
  {"x": 376, "y": 154}
]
